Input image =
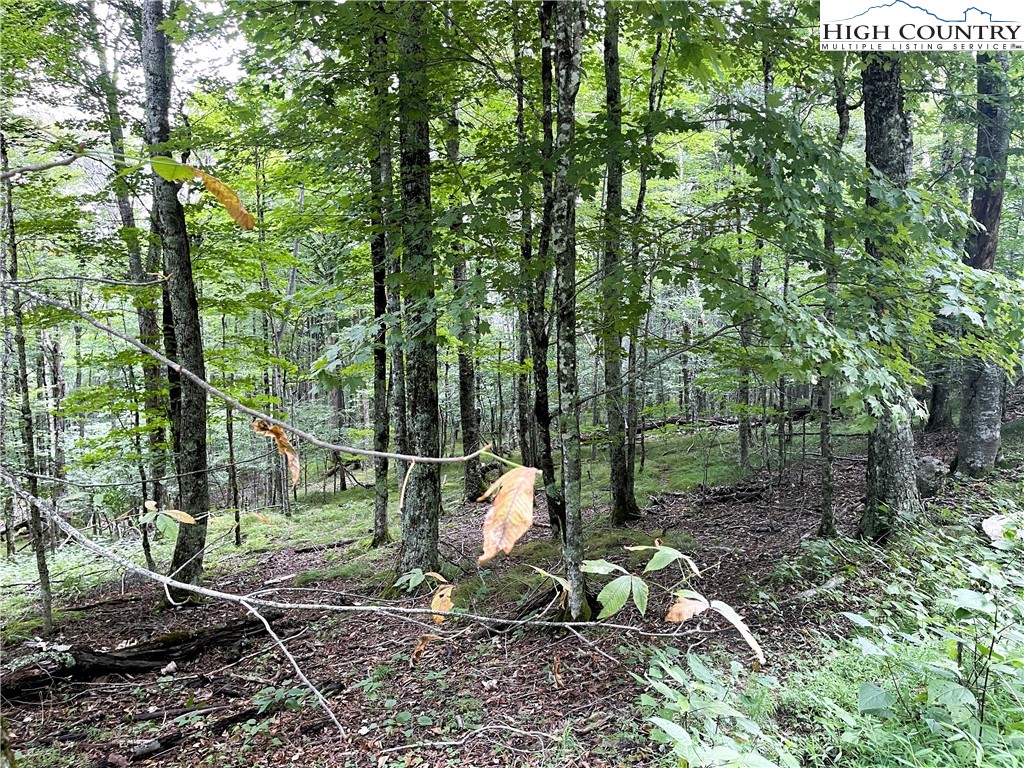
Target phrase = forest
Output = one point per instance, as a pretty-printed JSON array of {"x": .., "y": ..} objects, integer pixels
[{"x": 507, "y": 383}]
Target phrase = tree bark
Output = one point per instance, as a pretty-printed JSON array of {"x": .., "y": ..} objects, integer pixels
[
  {"x": 569, "y": 20},
  {"x": 891, "y": 471},
  {"x": 469, "y": 421},
  {"x": 540, "y": 269},
  {"x": 380, "y": 176},
  {"x": 423, "y": 496},
  {"x": 624, "y": 507},
  {"x": 28, "y": 438},
  {"x": 187, "y": 561},
  {"x": 981, "y": 410},
  {"x": 149, "y": 328}
]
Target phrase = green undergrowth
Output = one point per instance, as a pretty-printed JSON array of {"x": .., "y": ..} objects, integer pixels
[{"x": 925, "y": 667}]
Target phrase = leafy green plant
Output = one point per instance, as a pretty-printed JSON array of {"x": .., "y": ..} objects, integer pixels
[{"x": 709, "y": 718}]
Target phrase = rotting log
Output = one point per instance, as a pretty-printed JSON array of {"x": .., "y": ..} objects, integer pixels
[{"x": 48, "y": 667}]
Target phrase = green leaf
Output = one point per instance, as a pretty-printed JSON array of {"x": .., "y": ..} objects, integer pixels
[
  {"x": 663, "y": 557},
  {"x": 973, "y": 601},
  {"x": 947, "y": 693},
  {"x": 640, "y": 594},
  {"x": 873, "y": 700},
  {"x": 602, "y": 567},
  {"x": 166, "y": 526},
  {"x": 171, "y": 169},
  {"x": 676, "y": 732},
  {"x": 614, "y": 595}
]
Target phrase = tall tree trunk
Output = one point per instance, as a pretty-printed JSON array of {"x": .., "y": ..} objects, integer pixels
[
  {"x": 469, "y": 420},
  {"x": 624, "y": 506},
  {"x": 145, "y": 310},
  {"x": 569, "y": 19},
  {"x": 6, "y": 345},
  {"x": 193, "y": 485},
  {"x": 423, "y": 497},
  {"x": 380, "y": 176},
  {"x": 891, "y": 471},
  {"x": 981, "y": 411},
  {"x": 28, "y": 437},
  {"x": 827, "y": 521},
  {"x": 540, "y": 269}
]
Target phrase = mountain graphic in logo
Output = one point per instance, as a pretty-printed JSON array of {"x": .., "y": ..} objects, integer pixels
[{"x": 879, "y": 13}]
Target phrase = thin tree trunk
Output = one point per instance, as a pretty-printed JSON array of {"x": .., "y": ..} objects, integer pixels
[
  {"x": 469, "y": 421},
  {"x": 423, "y": 497},
  {"x": 28, "y": 437},
  {"x": 891, "y": 471},
  {"x": 569, "y": 20},
  {"x": 981, "y": 411},
  {"x": 540, "y": 269},
  {"x": 380, "y": 175},
  {"x": 193, "y": 484},
  {"x": 827, "y": 522},
  {"x": 624, "y": 507},
  {"x": 149, "y": 327}
]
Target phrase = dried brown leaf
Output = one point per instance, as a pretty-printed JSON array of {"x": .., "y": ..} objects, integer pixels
[
  {"x": 181, "y": 517},
  {"x": 284, "y": 446},
  {"x": 511, "y": 512},
  {"x": 442, "y": 601},
  {"x": 228, "y": 198},
  {"x": 685, "y": 608},
  {"x": 421, "y": 646}
]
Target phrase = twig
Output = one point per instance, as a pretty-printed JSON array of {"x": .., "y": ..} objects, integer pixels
[
  {"x": 298, "y": 670},
  {"x": 43, "y": 166},
  {"x": 103, "y": 280}
]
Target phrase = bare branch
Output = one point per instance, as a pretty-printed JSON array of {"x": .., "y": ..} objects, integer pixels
[{"x": 42, "y": 166}]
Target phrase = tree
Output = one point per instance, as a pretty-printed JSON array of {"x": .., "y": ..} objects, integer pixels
[
  {"x": 193, "y": 483},
  {"x": 891, "y": 471},
  {"x": 380, "y": 180},
  {"x": 423, "y": 497},
  {"x": 624, "y": 506},
  {"x": 981, "y": 411},
  {"x": 568, "y": 29}
]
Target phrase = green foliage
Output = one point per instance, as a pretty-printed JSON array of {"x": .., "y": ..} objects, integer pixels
[{"x": 712, "y": 718}]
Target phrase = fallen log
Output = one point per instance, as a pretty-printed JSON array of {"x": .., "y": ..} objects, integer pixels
[{"x": 46, "y": 668}]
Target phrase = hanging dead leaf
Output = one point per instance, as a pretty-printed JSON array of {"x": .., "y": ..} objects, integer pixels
[
  {"x": 228, "y": 198},
  {"x": 511, "y": 512},
  {"x": 150, "y": 505},
  {"x": 442, "y": 601},
  {"x": 436, "y": 577},
  {"x": 736, "y": 620},
  {"x": 421, "y": 646},
  {"x": 284, "y": 446},
  {"x": 172, "y": 170},
  {"x": 181, "y": 517},
  {"x": 685, "y": 608}
]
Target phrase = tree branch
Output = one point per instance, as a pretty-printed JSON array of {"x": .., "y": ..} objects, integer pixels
[{"x": 42, "y": 166}]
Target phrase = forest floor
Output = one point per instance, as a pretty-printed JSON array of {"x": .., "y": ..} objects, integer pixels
[{"x": 525, "y": 697}]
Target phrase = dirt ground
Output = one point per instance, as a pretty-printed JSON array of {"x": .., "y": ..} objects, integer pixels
[{"x": 528, "y": 697}]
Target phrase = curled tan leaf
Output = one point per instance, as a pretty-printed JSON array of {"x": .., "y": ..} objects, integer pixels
[
  {"x": 284, "y": 446},
  {"x": 181, "y": 517},
  {"x": 442, "y": 601},
  {"x": 421, "y": 646},
  {"x": 511, "y": 512},
  {"x": 685, "y": 608},
  {"x": 150, "y": 505},
  {"x": 262, "y": 518},
  {"x": 228, "y": 198}
]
